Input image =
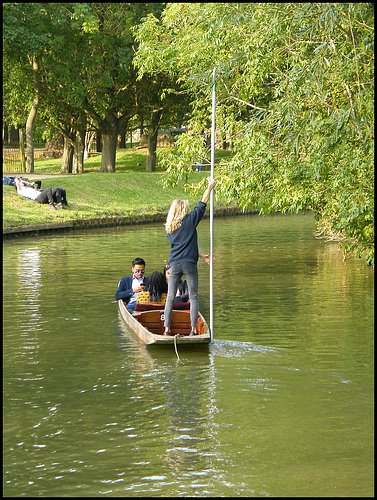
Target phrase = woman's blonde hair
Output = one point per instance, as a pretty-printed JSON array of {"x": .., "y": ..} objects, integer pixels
[{"x": 178, "y": 211}]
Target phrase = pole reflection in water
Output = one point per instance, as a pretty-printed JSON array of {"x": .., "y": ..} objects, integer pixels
[{"x": 280, "y": 404}]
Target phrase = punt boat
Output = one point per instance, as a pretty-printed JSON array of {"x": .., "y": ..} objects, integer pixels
[{"x": 148, "y": 325}]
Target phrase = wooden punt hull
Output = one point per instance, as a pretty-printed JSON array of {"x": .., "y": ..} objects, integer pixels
[{"x": 148, "y": 326}]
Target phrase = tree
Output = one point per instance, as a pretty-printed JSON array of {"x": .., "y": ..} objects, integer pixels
[
  {"x": 295, "y": 83},
  {"x": 160, "y": 102},
  {"x": 79, "y": 57},
  {"x": 24, "y": 45},
  {"x": 16, "y": 96},
  {"x": 32, "y": 115},
  {"x": 62, "y": 89},
  {"x": 108, "y": 77}
]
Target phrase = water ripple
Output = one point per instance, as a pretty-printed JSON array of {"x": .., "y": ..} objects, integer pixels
[{"x": 233, "y": 348}]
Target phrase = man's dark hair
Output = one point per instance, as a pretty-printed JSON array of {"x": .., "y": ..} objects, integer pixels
[{"x": 138, "y": 262}]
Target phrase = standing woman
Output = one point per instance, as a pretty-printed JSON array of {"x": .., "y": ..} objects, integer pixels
[{"x": 181, "y": 232}]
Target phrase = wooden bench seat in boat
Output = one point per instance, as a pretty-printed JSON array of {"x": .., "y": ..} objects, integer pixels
[
  {"x": 154, "y": 321},
  {"x": 151, "y": 320}
]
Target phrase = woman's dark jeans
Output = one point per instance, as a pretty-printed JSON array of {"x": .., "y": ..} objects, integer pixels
[{"x": 177, "y": 270}]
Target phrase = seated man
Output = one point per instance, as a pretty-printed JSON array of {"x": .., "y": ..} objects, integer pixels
[
  {"x": 48, "y": 195},
  {"x": 130, "y": 286}
]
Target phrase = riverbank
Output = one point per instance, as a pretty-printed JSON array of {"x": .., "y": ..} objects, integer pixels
[
  {"x": 35, "y": 229},
  {"x": 96, "y": 198},
  {"x": 99, "y": 200}
]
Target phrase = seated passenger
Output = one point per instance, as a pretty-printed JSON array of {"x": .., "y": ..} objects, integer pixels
[
  {"x": 130, "y": 286},
  {"x": 156, "y": 290},
  {"x": 156, "y": 293}
]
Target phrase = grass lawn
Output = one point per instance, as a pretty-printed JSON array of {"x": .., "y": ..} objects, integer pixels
[{"x": 128, "y": 191}]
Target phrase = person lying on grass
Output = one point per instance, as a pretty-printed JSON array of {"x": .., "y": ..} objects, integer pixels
[{"x": 55, "y": 196}]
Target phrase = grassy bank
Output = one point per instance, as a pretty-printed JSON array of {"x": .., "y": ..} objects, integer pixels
[{"x": 128, "y": 191}]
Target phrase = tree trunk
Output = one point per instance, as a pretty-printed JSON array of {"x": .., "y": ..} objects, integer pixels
[
  {"x": 151, "y": 154},
  {"x": 67, "y": 156},
  {"x": 14, "y": 137},
  {"x": 5, "y": 134},
  {"x": 78, "y": 152},
  {"x": 109, "y": 143},
  {"x": 152, "y": 141},
  {"x": 98, "y": 142},
  {"x": 73, "y": 153},
  {"x": 22, "y": 150},
  {"x": 224, "y": 140},
  {"x": 31, "y": 118},
  {"x": 123, "y": 142}
]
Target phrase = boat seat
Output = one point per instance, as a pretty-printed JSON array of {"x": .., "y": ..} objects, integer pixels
[
  {"x": 180, "y": 322},
  {"x": 151, "y": 320},
  {"x": 154, "y": 321},
  {"x": 182, "y": 306}
]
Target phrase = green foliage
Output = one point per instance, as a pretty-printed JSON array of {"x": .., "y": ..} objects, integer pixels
[
  {"x": 178, "y": 163},
  {"x": 25, "y": 29},
  {"x": 295, "y": 88},
  {"x": 294, "y": 82},
  {"x": 85, "y": 53}
]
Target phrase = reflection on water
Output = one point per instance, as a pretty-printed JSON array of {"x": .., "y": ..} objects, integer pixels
[{"x": 280, "y": 404}]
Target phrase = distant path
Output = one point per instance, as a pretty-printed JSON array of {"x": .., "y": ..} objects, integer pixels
[{"x": 34, "y": 177}]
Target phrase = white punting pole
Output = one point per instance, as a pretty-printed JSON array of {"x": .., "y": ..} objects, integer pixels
[{"x": 211, "y": 207}]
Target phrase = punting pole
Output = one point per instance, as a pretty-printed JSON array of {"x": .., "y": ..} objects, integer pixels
[{"x": 211, "y": 207}]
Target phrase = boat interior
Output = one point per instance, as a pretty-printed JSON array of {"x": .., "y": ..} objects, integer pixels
[{"x": 180, "y": 324}]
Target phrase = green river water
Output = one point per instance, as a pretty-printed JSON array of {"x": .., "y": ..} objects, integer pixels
[{"x": 280, "y": 404}]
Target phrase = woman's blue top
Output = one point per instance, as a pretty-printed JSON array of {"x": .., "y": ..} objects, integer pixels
[{"x": 184, "y": 240}]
